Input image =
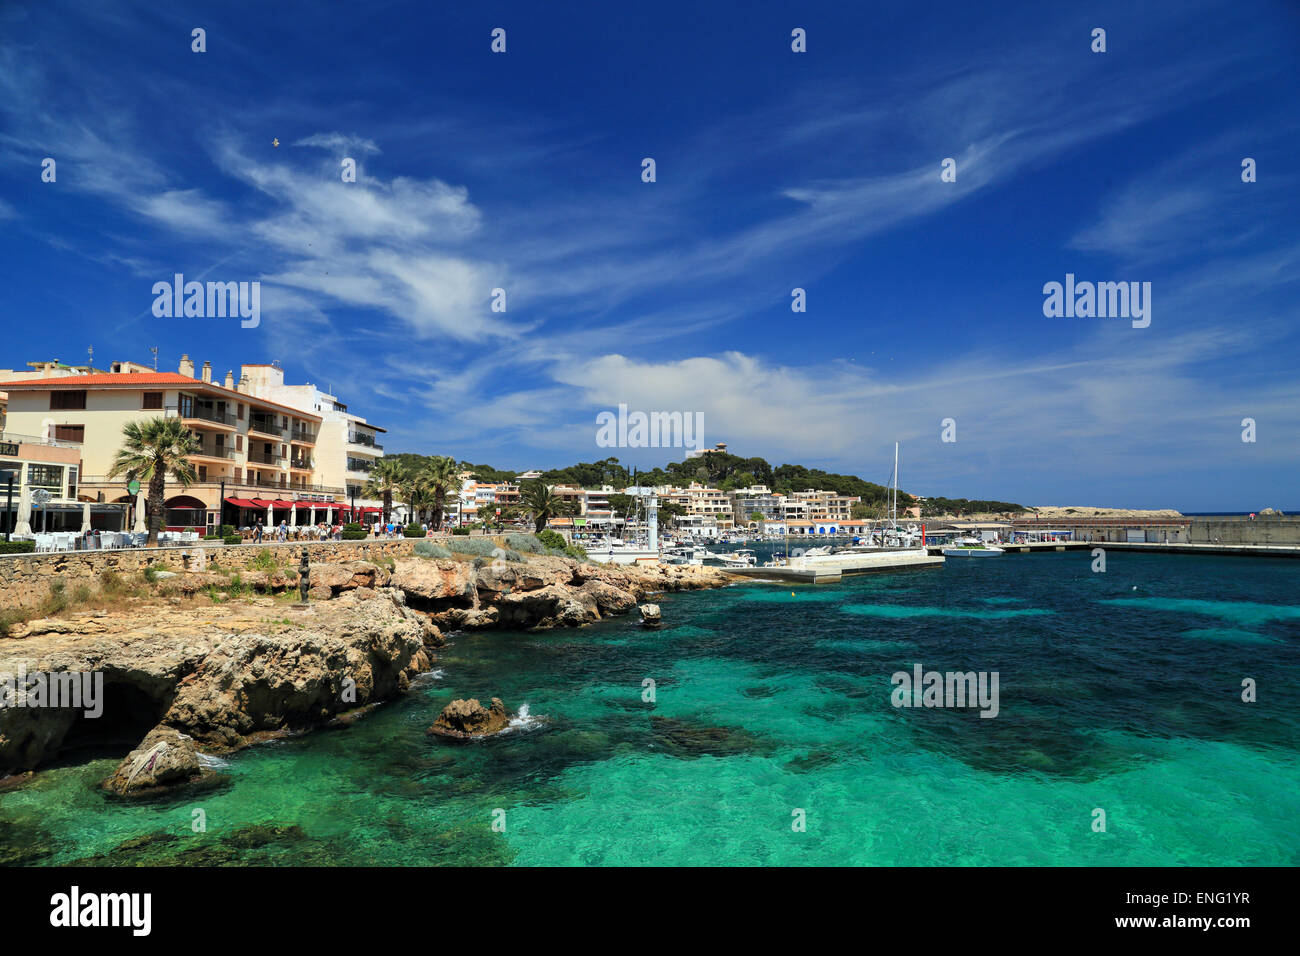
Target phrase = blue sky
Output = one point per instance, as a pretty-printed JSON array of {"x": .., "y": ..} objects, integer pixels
[{"x": 775, "y": 170}]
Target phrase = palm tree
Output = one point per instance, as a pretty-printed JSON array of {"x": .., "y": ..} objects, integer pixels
[
  {"x": 151, "y": 450},
  {"x": 442, "y": 476},
  {"x": 418, "y": 494},
  {"x": 385, "y": 480},
  {"x": 542, "y": 503}
]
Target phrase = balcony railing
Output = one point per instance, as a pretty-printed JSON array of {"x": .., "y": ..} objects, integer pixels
[
  {"x": 305, "y": 463},
  {"x": 360, "y": 464},
  {"x": 35, "y": 440},
  {"x": 214, "y": 451},
  {"x": 262, "y": 458},
  {"x": 303, "y": 435},
  {"x": 216, "y": 481},
  {"x": 207, "y": 415},
  {"x": 265, "y": 426},
  {"x": 357, "y": 438}
]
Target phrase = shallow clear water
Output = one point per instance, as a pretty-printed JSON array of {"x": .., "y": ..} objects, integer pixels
[{"x": 1119, "y": 691}]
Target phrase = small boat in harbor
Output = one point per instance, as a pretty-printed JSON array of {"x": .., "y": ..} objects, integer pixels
[
  {"x": 744, "y": 558},
  {"x": 972, "y": 548}
]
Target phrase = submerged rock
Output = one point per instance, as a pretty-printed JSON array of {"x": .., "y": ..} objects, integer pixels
[
  {"x": 466, "y": 719},
  {"x": 686, "y": 739}
]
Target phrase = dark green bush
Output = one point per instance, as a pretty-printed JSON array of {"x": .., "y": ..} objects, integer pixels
[
  {"x": 460, "y": 530},
  {"x": 232, "y": 539},
  {"x": 354, "y": 532},
  {"x": 413, "y": 531},
  {"x": 552, "y": 539},
  {"x": 17, "y": 547}
]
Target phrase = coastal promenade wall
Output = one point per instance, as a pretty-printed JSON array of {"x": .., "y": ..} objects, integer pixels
[
  {"x": 26, "y": 579},
  {"x": 1240, "y": 529}
]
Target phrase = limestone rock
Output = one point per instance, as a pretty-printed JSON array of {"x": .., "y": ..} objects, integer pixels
[
  {"x": 223, "y": 674},
  {"x": 165, "y": 758},
  {"x": 465, "y": 719}
]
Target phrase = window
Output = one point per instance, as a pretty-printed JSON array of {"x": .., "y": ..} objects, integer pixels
[
  {"x": 241, "y": 412},
  {"x": 68, "y": 400},
  {"x": 49, "y": 477},
  {"x": 239, "y": 441},
  {"x": 72, "y": 481},
  {"x": 76, "y": 433},
  {"x": 153, "y": 400}
]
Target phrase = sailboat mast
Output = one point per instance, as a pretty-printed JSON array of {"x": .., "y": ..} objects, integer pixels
[{"x": 895, "y": 484}]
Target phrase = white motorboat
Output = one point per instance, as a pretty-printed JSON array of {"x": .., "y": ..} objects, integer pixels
[
  {"x": 744, "y": 558},
  {"x": 972, "y": 548}
]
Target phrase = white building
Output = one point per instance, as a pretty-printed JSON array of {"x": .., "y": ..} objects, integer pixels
[{"x": 347, "y": 446}]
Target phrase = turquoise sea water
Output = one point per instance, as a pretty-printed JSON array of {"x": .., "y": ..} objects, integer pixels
[{"x": 1119, "y": 691}]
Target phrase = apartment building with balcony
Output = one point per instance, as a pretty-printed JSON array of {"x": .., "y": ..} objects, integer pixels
[
  {"x": 345, "y": 446},
  {"x": 823, "y": 505},
  {"x": 756, "y": 499},
  {"x": 707, "y": 502},
  {"x": 255, "y": 455}
]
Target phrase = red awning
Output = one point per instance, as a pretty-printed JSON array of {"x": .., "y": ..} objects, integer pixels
[{"x": 243, "y": 503}]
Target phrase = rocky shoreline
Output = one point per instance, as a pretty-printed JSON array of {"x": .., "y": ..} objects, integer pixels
[{"x": 207, "y": 663}]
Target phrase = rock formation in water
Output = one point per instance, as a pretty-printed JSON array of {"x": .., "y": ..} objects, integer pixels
[
  {"x": 225, "y": 675},
  {"x": 165, "y": 758},
  {"x": 466, "y": 719},
  {"x": 186, "y": 675},
  {"x": 541, "y": 592}
]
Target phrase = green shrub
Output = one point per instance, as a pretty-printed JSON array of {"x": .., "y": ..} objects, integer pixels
[
  {"x": 232, "y": 539},
  {"x": 552, "y": 539},
  {"x": 528, "y": 543},
  {"x": 577, "y": 553},
  {"x": 17, "y": 547},
  {"x": 265, "y": 561},
  {"x": 413, "y": 531},
  {"x": 354, "y": 532},
  {"x": 460, "y": 530},
  {"x": 57, "y": 600},
  {"x": 431, "y": 549},
  {"x": 111, "y": 583},
  {"x": 151, "y": 572},
  {"x": 226, "y": 530}
]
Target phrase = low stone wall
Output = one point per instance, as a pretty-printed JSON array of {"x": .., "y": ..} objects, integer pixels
[
  {"x": 1233, "y": 529},
  {"x": 25, "y": 579}
]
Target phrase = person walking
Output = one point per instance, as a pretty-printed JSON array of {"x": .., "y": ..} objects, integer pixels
[{"x": 257, "y": 533}]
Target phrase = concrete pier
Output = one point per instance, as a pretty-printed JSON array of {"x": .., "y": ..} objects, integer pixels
[{"x": 829, "y": 568}]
